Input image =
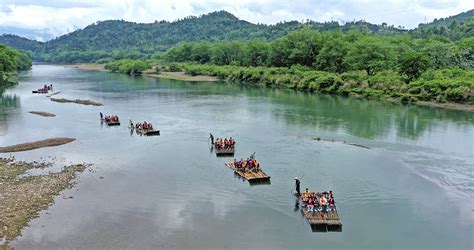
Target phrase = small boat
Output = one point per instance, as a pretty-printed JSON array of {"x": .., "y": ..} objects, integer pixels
[
  {"x": 321, "y": 221},
  {"x": 251, "y": 176}
]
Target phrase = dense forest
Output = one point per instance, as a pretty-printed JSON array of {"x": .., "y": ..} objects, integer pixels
[
  {"x": 117, "y": 39},
  {"x": 12, "y": 60}
]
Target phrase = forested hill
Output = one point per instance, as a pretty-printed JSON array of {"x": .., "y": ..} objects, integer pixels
[
  {"x": 459, "y": 18},
  {"x": 20, "y": 43},
  {"x": 454, "y": 27},
  {"x": 117, "y": 39}
]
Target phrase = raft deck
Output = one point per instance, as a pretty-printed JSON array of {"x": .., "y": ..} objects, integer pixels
[
  {"x": 148, "y": 132},
  {"x": 250, "y": 176},
  {"x": 323, "y": 221},
  {"x": 112, "y": 123},
  {"x": 39, "y": 91},
  {"x": 225, "y": 151}
]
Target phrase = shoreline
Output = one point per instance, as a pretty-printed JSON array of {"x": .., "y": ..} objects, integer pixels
[
  {"x": 205, "y": 78},
  {"x": 165, "y": 75},
  {"x": 183, "y": 77},
  {"x": 23, "y": 197}
]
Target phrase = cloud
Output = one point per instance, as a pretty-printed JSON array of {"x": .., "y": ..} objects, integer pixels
[{"x": 57, "y": 17}]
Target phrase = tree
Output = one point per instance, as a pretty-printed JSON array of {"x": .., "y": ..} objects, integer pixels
[
  {"x": 413, "y": 64},
  {"x": 331, "y": 56},
  {"x": 370, "y": 54}
]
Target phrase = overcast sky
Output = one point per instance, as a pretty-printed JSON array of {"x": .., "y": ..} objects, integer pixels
[{"x": 57, "y": 17}]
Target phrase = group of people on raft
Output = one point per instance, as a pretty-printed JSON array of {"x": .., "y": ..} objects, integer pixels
[
  {"x": 111, "y": 118},
  {"x": 250, "y": 164},
  {"x": 318, "y": 202},
  {"x": 45, "y": 88},
  {"x": 226, "y": 143},
  {"x": 144, "y": 126}
]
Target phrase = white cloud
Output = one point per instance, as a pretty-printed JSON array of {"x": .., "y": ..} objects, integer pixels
[{"x": 58, "y": 17}]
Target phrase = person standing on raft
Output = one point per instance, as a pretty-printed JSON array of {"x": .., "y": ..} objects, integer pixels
[
  {"x": 101, "y": 116},
  {"x": 297, "y": 185},
  {"x": 211, "y": 137}
]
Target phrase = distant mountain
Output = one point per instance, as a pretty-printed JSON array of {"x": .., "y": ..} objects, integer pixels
[
  {"x": 33, "y": 34},
  {"x": 454, "y": 27},
  {"x": 459, "y": 18},
  {"x": 115, "y": 39},
  {"x": 20, "y": 42}
]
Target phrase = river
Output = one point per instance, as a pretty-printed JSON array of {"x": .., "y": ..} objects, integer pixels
[{"x": 414, "y": 187}]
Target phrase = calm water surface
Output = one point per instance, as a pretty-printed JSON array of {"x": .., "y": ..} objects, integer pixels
[{"x": 413, "y": 189}]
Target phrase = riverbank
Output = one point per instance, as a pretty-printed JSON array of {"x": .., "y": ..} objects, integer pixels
[
  {"x": 304, "y": 80},
  {"x": 448, "y": 89},
  {"x": 183, "y": 76},
  {"x": 23, "y": 197},
  {"x": 88, "y": 66}
]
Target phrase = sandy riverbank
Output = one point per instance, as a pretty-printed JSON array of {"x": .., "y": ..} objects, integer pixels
[
  {"x": 88, "y": 66},
  {"x": 37, "y": 144},
  {"x": 24, "y": 196}
]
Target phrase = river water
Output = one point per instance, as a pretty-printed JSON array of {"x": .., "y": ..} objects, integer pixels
[{"x": 414, "y": 187}]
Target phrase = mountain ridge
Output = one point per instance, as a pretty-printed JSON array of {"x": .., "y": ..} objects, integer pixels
[{"x": 118, "y": 39}]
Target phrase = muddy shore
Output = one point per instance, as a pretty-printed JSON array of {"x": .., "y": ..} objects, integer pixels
[
  {"x": 77, "y": 101},
  {"x": 41, "y": 113},
  {"x": 37, "y": 144},
  {"x": 23, "y": 197}
]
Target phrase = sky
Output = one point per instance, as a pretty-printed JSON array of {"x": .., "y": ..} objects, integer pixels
[{"x": 43, "y": 19}]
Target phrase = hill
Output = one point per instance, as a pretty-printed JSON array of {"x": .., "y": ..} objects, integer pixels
[
  {"x": 20, "y": 43},
  {"x": 116, "y": 39},
  {"x": 459, "y": 18}
]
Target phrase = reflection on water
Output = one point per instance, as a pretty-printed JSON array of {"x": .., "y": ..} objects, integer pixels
[
  {"x": 172, "y": 191},
  {"x": 9, "y": 105}
]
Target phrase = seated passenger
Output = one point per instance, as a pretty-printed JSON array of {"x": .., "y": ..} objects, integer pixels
[
  {"x": 317, "y": 206},
  {"x": 332, "y": 204},
  {"x": 310, "y": 205},
  {"x": 323, "y": 202}
]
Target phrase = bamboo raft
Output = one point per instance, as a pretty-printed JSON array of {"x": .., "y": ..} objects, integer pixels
[
  {"x": 250, "y": 176},
  {"x": 323, "y": 221},
  {"x": 112, "y": 123},
  {"x": 40, "y": 91},
  {"x": 225, "y": 151},
  {"x": 147, "y": 132}
]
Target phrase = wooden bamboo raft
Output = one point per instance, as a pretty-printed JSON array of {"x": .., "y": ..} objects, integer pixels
[
  {"x": 39, "y": 91},
  {"x": 225, "y": 151},
  {"x": 250, "y": 176},
  {"x": 148, "y": 132},
  {"x": 112, "y": 123},
  {"x": 323, "y": 221}
]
